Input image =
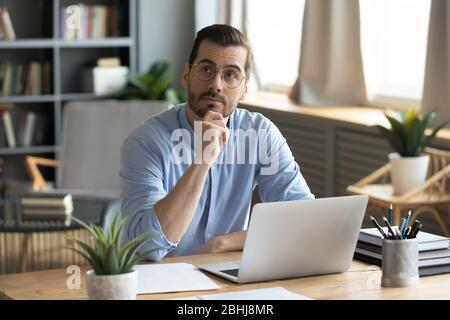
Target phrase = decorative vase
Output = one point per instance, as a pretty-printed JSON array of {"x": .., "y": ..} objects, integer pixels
[
  {"x": 408, "y": 173},
  {"x": 111, "y": 287}
]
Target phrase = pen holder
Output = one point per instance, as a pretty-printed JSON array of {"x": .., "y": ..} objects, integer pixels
[{"x": 400, "y": 263}]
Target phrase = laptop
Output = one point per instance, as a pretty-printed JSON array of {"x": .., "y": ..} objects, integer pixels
[{"x": 297, "y": 238}]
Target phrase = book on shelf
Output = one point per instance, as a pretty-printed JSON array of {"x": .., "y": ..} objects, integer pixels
[
  {"x": 21, "y": 128},
  {"x": 85, "y": 21},
  {"x": 6, "y": 26},
  {"x": 9, "y": 129},
  {"x": 32, "y": 78},
  {"x": 4, "y": 107},
  {"x": 427, "y": 241}
]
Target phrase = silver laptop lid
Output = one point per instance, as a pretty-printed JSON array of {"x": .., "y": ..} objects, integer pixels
[{"x": 301, "y": 238}]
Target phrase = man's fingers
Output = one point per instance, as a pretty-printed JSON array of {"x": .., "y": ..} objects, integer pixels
[{"x": 212, "y": 115}]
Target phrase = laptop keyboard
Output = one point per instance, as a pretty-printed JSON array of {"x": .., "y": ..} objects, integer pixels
[{"x": 232, "y": 272}]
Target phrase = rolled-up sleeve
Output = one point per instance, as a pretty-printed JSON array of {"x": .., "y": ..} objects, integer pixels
[
  {"x": 142, "y": 187},
  {"x": 280, "y": 179}
]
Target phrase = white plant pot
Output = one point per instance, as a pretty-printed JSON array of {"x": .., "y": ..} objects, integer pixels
[
  {"x": 408, "y": 173},
  {"x": 111, "y": 287}
]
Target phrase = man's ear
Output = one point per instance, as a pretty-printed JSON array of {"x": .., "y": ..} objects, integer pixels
[
  {"x": 244, "y": 93},
  {"x": 185, "y": 78}
]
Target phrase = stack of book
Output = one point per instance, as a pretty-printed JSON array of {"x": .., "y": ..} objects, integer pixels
[
  {"x": 47, "y": 207},
  {"x": 434, "y": 251}
]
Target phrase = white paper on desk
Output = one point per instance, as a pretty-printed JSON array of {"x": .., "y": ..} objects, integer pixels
[
  {"x": 274, "y": 293},
  {"x": 171, "y": 277}
]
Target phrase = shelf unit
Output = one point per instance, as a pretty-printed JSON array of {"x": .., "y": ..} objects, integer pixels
[{"x": 37, "y": 27}]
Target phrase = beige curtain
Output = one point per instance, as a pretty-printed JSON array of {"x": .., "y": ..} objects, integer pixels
[
  {"x": 436, "y": 93},
  {"x": 330, "y": 69}
]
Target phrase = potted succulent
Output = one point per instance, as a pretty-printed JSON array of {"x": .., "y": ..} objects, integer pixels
[
  {"x": 112, "y": 276},
  {"x": 406, "y": 135}
]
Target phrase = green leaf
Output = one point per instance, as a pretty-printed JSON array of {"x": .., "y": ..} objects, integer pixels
[
  {"x": 97, "y": 268},
  {"x": 94, "y": 258},
  {"x": 111, "y": 261},
  {"x": 428, "y": 139},
  {"x": 392, "y": 138},
  {"x": 412, "y": 135},
  {"x": 129, "y": 250}
]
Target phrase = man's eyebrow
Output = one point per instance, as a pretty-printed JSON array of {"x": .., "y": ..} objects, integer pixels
[{"x": 234, "y": 66}]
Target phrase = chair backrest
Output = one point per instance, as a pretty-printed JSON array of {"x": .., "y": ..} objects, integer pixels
[
  {"x": 439, "y": 159},
  {"x": 93, "y": 133}
]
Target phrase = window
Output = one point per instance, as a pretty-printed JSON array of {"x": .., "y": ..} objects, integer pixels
[
  {"x": 393, "y": 42},
  {"x": 274, "y": 30}
]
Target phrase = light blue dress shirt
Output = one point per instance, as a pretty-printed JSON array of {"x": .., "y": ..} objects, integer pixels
[{"x": 150, "y": 169}]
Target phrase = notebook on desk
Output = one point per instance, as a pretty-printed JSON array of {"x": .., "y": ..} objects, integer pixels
[{"x": 297, "y": 238}]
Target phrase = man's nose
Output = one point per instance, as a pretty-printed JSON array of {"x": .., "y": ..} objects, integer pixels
[{"x": 216, "y": 83}]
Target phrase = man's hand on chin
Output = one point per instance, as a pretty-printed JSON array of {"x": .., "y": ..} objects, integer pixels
[{"x": 223, "y": 243}]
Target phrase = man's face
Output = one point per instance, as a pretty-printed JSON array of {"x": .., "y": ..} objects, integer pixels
[{"x": 213, "y": 94}]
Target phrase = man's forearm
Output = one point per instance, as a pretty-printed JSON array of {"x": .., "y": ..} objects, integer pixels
[
  {"x": 176, "y": 210},
  {"x": 226, "y": 242}
]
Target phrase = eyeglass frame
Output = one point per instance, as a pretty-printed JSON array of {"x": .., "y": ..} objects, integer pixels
[{"x": 221, "y": 75}]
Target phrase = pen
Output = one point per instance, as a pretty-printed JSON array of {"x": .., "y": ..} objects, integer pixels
[
  {"x": 416, "y": 231},
  {"x": 413, "y": 231},
  {"x": 402, "y": 226},
  {"x": 397, "y": 233},
  {"x": 408, "y": 232},
  {"x": 389, "y": 214},
  {"x": 375, "y": 223},
  {"x": 386, "y": 222},
  {"x": 408, "y": 217}
]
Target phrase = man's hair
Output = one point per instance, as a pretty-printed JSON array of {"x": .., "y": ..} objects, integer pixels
[{"x": 224, "y": 35}]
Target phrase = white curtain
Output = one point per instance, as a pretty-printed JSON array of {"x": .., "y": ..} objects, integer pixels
[
  {"x": 232, "y": 12},
  {"x": 436, "y": 93},
  {"x": 330, "y": 69},
  {"x": 209, "y": 12}
]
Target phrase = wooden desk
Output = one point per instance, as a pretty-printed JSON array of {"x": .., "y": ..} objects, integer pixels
[{"x": 360, "y": 282}]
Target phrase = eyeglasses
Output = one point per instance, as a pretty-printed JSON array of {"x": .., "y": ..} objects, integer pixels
[{"x": 205, "y": 71}]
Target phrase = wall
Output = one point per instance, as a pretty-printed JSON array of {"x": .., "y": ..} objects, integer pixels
[{"x": 165, "y": 31}]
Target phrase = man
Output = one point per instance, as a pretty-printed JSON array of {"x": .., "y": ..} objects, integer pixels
[{"x": 189, "y": 173}]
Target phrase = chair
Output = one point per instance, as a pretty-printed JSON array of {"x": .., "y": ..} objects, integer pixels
[
  {"x": 88, "y": 169},
  {"x": 433, "y": 193},
  {"x": 92, "y": 135}
]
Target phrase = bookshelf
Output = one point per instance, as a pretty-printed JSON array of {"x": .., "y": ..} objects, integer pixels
[{"x": 40, "y": 37}]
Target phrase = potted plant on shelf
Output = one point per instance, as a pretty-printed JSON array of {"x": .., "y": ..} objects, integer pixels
[
  {"x": 155, "y": 84},
  {"x": 406, "y": 135},
  {"x": 112, "y": 276}
]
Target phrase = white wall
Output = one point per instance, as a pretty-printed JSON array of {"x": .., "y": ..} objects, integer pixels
[{"x": 165, "y": 31}]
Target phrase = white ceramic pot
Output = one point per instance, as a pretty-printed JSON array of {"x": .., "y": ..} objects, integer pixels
[
  {"x": 408, "y": 172},
  {"x": 111, "y": 287}
]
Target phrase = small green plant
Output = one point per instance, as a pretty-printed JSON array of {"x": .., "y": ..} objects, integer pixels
[
  {"x": 107, "y": 256},
  {"x": 155, "y": 84},
  {"x": 406, "y": 135}
]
